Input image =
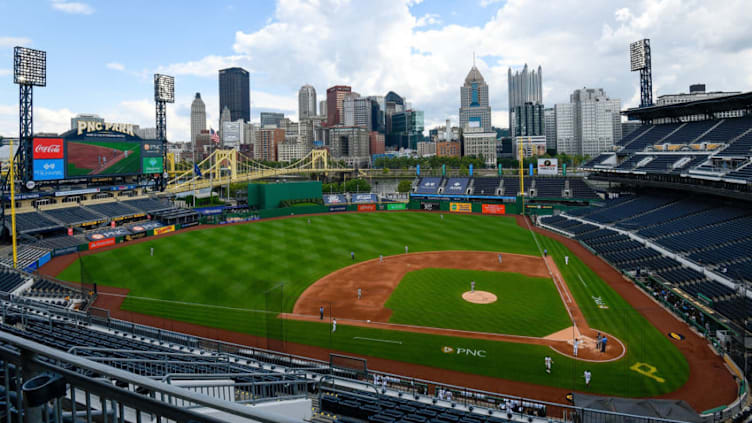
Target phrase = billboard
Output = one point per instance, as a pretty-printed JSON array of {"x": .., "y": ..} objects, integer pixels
[
  {"x": 152, "y": 165},
  {"x": 47, "y": 156},
  {"x": 396, "y": 206},
  {"x": 548, "y": 166},
  {"x": 493, "y": 208},
  {"x": 461, "y": 207},
  {"x": 430, "y": 205},
  {"x": 48, "y": 148},
  {"x": 102, "y": 158},
  {"x": 164, "y": 230},
  {"x": 93, "y": 245},
  {"x": 48, "y": 169},
  {"x": 366, "y": 207}
]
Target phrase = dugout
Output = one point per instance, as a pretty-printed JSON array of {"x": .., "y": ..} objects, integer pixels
[{"x": 269, "y": 196}]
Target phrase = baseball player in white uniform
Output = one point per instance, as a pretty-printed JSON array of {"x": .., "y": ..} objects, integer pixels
[
  {"x": 381, "y": 258},
  {"x": 548, "y": 362},
  {"x": 405, "y": 249},
  {"x": 576, "y": 345},
  {"x": 587, "y": 378},
  {"x": 566, "y": 260},
  {"x": 334, "y": 325},
  {"x": 472, "y": 286},
  {"x": 359, "y": 294},
  {"x": 499, "y": 257}
]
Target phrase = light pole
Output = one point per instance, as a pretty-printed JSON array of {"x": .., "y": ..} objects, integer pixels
[
  {"x": 29, "y": 70},
  {"x": 164, "y": 92}
]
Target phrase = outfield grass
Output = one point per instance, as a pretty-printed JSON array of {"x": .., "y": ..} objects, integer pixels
[
  {"x": 432, "y": 297},
  {"x": 217, "y": 277}
]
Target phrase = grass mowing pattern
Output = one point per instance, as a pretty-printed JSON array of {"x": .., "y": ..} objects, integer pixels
[
  {"x": 241, "y": 266},
  {"x": 432, "y": 297},
  {"x": 645, "y": 344}
]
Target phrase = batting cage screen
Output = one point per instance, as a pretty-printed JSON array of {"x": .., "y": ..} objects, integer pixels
[{"x": 350, "y": 366}]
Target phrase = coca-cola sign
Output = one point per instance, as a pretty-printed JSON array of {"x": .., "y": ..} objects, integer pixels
[{"x": 48, "y": 148}]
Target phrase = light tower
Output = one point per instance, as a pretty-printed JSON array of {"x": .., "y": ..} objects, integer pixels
[
  {"x": 164, "y": 92},
  {"x": 639, "y": 59},
  {"x": 29, "y": 70}
]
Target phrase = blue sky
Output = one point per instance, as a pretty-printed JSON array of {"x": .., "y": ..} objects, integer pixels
[{"x": 102, "y": 54}]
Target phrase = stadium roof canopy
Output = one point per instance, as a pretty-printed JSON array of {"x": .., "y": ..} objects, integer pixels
[{"x": 708, "y": 107}]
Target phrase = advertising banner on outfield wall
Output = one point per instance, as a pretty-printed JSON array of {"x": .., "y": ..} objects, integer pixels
[
  {"x": 164, "y": 230},
  {"x": 334, "y": 199},
  {"x": 64, "y": 251},
  {"x": 138, "y": 235},
  {"x": 461, "y": 207},
  {"x": 366, "y": 207},
  {"x": 493, "y": 209},
  {"x": 363, "y": 198},
  {"x": 548, "y": 166},
  {"x": 430, "y": 205},
  {"x": 396, "y": 206},
  {"x": 93, "y": 245},
  {"x": 337, "y": 208},
  {"x": 107, "y": 233}
]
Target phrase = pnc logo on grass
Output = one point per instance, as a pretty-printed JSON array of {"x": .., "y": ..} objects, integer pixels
[{"x": 464, "y": 351}]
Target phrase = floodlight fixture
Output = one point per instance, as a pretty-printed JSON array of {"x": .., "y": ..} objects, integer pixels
[
  {"x": 29, "y": 67},
  {"x": 637, "y": 55},
  {"x": 164, "y": 88}
]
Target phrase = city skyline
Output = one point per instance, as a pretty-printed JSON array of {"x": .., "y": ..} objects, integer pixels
[{"x": 424, "y": 50}]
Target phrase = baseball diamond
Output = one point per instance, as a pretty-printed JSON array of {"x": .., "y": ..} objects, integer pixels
[{"x": 262, "y": 283}]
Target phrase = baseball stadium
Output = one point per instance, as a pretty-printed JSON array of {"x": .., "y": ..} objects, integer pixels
[{"x": 612, "y": 292}]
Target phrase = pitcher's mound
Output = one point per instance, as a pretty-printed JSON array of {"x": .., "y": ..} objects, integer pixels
[{"x": 479, "y": 297}]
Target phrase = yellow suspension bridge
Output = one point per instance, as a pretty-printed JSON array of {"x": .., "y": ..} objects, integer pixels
[{"x": 223, "y": 167}]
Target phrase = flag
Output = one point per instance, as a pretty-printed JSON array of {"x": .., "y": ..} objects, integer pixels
[
  {"x": 214, "y": 135},
  {"x": 196, "y": 170}
]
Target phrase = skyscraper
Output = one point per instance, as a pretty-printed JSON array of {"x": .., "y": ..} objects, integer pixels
[
  {"x": 235, "y": 93},
  {"x": 306, "y": 102},
  {"x": 475, "y": 111},
  {"x": 549, "y": 119},
  {"x": 524, "y": 87},
  {"x": 527, "y": 120},
  {"x": 358, "y": 112},
  {"x": 335, "y": 97},
  {"x": 322, "y": 108},
  {"x": 271, "y": 119},
  {"x": 594, "y": 120},
  {"x": 198, "y": 117}
]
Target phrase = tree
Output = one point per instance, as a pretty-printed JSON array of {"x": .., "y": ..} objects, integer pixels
[{"x": 404, "y": 186}]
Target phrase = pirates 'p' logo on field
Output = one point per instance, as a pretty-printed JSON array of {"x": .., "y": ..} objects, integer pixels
[
  {"x": 447, "y": 350},
  {"x": 676, "y": 336}
]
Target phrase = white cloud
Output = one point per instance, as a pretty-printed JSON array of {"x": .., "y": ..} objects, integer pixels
[
  {"x": 14, "y": 41},
  {"x": 484, "y": 3},
  {"x": 380, "y": 46},
  {"x": 74, "y": 8},
  {"x": 5, "y": 72},
  {"x": 428, "y": 19},
  {"x": 115, "y": 66},
  {"x": 206, "y": 67}
]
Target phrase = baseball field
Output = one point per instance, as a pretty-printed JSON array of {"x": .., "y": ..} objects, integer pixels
[{"x": 269, "y": 278}]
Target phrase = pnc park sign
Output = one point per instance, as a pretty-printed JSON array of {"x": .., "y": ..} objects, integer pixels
[
  {"x": 464, "y": 351},
  {"x": 89, "y": 126}
]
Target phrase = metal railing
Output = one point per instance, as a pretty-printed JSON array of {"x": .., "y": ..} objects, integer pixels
[{"x": 108, "y": 394}]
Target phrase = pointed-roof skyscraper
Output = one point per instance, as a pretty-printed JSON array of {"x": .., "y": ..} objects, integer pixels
[{"x": 475, "y": 111}]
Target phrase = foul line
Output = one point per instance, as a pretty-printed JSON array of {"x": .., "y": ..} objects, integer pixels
[
  {"x": 378, "y": 340},
  {"x": 583, "y": 282}
]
